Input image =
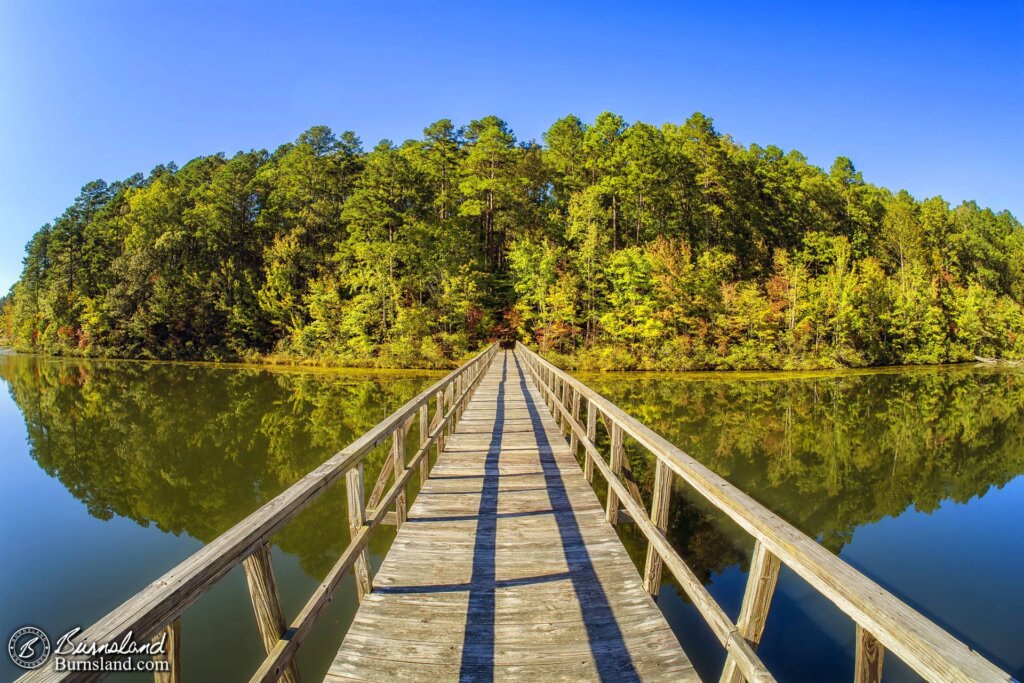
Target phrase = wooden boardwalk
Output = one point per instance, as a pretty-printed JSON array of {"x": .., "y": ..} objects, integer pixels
[{"x": 506, "y": 567}]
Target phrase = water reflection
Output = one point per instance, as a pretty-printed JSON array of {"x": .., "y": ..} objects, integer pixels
[
  {"x": 836, "y": 453},
  {"x": 190, "y": 450}
]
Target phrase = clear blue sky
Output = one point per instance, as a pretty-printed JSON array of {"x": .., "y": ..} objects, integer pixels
[{"x": 925, "y": 96}]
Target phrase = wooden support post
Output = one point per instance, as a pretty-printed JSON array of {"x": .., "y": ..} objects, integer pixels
[
  {"x": 424, "y": 437},
  {"x": 757, "y": 599},
  {"x": 171, "y": 636},
  {"x": 355, "y": 493},
  {"x": 398, "y": 467},
  {"x": 458, "y": 398},
  {"x": 549, "y": 388},
  {"x": 588, "y": 465},
  {"x": 266, "y": 604},
  {"x": 566, "y": 388},
  {"x": 438, "y": 417},
  {"x": 574, "y": 439},
  {"x": 615, "y": 462},
  {"x": 659, "y": 515},
  {"x": 869, "y": 658},
  {"x": 449, "y": 391}
]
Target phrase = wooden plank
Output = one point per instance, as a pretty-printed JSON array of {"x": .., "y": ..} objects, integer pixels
[
  {"x": 266, "y": 604},
  {"x": 171, "y": 637},
  {"x": 869, "y": 658}
]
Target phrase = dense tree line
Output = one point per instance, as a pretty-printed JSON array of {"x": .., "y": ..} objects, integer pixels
[{"x": 613, "y": 244}]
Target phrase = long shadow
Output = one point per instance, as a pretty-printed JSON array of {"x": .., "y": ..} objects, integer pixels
[
  {"x": 607, "y": 646},
  {"x": 478, "y": 637}
]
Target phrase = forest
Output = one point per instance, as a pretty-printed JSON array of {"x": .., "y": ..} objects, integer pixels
[{"x": 608, "y": 245}]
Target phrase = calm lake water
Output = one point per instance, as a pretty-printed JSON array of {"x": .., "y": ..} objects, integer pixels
[{"x": 113, "y": 472}]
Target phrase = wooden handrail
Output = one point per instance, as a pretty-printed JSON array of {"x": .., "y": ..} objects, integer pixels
[
  {"x": 158, "y": 605},
  {"x": 883, "y": 621}
]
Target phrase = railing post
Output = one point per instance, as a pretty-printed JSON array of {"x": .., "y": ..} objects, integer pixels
[
  {"x": 266, "y": 604},
  {"x": 548, "y": 382},
  {"x": 575, "y": 410},
  {"x": 171, "y": 636},
  {"x": 449, "y": 391},
  {"x": 564, "y": 400},
  {"x": 555, "y": 400},
  {"x": 757, "y": 599},
  {"x": 424, "y": 437},
  {"x": 398, "y": 467},
  {"x": 659, "y": 516},
  {"x": 588, "y": 464},
  {"x": 870, "y": 657},
  {"x": 438, "y": 418},
  {"x": 615, "y": 462},
  {"x": 355, "y": 493}
]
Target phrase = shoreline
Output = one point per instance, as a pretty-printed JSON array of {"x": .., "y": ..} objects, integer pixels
[{"x": 297, "y": 365}]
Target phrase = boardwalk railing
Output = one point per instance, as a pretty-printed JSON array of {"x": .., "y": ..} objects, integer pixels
[
  {"x": 156, "y": 609},
  {"x": 883, "y": 621}
]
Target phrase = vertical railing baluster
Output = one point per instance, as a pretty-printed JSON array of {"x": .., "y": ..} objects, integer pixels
[
  {"x": 266, "y": 604},
  {"x": 588, "y": 464},
  {"x": 757, "y": 600},
  {"x": 355, "y": 491},
  {"x": 449, "y": 391},
  {"x": 557, "y": 398},
  {"x": 574, "y": 437},
  {"x": 438, "y": 416},
  {"x": 549, "y": 396},
  {"x": 615, "y": 462},
  {"x": 171, "y": 636},
  {"x": 424, "y": 437},
  {"x": 659, "y": 516},
  {"x": 566, "y": 387},
  {"x": 398, "y": 467},
  {"x": 870, "y": 657}
]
